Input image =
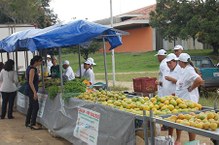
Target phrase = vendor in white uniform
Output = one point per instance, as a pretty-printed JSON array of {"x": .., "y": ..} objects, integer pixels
[
  {"x": 169, "y": 86},
  {"x": 89, "y": 74},
  {"x": 49, "y": 64},
  {"x": 68, "y": 71},
  {"x": 187, "y": 86},
  {"x": 77, "y": 74},
  {"x": 189, "y": 81},
  {"x": 178, "y": 49},
  {"x": 161, "y": 56}
]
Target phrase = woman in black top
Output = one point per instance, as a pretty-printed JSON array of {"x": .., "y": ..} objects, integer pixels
[{"x": 31, "y": 89}]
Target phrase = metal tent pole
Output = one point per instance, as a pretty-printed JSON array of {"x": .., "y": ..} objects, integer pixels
[
  {"x": 60, "y": 68},
  {"x": 25, "y": 60},
  {"x": 13, "y": 55},
  {"x": 1, "y": 56},
  {"x": 42, "y": 72},
  {"x": 152, "y": 128},
  {"x": 16, "y": 58},
  {"x": 8, "y": 55},
  {"x": 105, "y": 66},
  {"x": 113, "y": 54},
  {"x": 145, "y": 128},
  {"x": 79, "y": 59}
]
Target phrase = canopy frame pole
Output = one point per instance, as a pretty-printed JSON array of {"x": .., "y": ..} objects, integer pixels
[
  {"x": 105, "y": 65},
  {"x": 16, "y": 59},
  {"x": 60, "y": 68},
  {"x": 113, "y": 54},
  {"x": 45, "y": 55},
  {"x": 27, "y": 58},
  {"x": 8, "y": 55},
  {"x": 42, "y": 72},
  {"x": 13, "y": 53},
  {"x": 1, "y": 56},
  {"x": 79, "y": 59}
]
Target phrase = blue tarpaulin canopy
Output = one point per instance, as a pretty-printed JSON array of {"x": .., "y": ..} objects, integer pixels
[
  {"x": 62, "y": 35},
  {"x": 10, "y": 43}
]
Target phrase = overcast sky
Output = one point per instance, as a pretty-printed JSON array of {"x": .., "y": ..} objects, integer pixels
[{"x": 94, "y": 9}]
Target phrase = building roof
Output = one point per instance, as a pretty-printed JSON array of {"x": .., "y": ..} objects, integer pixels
[
  {"x": 130, "y": 19},
  {"x": 141, "y": 14}
]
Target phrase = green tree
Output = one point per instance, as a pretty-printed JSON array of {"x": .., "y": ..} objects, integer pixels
[
  {"x": 209, "y": 24},
  {"x": 27, "y": 11},
  {"x": 196, "y": 19},
  {"x": 85, "y": 49}
]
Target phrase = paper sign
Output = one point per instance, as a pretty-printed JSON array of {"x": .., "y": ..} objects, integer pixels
[
  {"x": 42, "y": 102},
  {"x": 87, "y": 126},
  {"x": 21, "y": 100}
]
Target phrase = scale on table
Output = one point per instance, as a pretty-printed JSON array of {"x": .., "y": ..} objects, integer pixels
[{"x": 98, "y": 86}]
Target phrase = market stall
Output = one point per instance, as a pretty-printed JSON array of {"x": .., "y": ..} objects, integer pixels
[
  {"x": 104, "y": 117},
  {"x": 66, "y": 35},
  {"x": 63, "y": 118}
]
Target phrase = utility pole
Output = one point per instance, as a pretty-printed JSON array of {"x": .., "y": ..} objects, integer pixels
[{"x": 113, "y": 57}]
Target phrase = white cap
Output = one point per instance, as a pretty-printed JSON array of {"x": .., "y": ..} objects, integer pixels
[
  {"x": 170, "y": 57},
  {"x": 48, "y": 56},
  {"x": 88, "y": 62},
  {"x": 161, "y": 52},
  {"x": 54, "y": 57},
  {"x": 66, "y": 62},
  {"x": 91, "y": 60},
  {"x": 184, "y": 57},
  {"x": 177, "y": 47}
]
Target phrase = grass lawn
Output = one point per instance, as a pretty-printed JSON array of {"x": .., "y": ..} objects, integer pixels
[
  {"x": 127, "y": 77},
  {"x": 208, "y": 101},
  {"x": 130, "y": 62},
  {"x": 128, "y": 65}
]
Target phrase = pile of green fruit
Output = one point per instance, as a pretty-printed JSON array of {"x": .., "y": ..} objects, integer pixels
[
  {"x": 136, "y": 105},
  {"x": 208, "y": 120}
]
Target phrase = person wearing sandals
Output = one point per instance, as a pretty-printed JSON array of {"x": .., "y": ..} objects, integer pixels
[
  {"x": 31, "y": 89},
  {"x": 9, "y": 79}
]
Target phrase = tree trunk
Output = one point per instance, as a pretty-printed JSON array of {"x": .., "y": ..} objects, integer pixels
[
  {"x": 194, "y": 46},
  {"x": 215, "y": 48}
]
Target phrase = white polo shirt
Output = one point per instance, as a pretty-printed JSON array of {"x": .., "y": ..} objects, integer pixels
[
  {"x": 49, "y": 65},
  {"x": 82, "y": 71},
  {"x": 169, "y": 87},
  {"x": 69, "y": 73},
  {"x": 89, "y": 75},
  {"x": 186, "y": 79},
  {"x": 164, "y": 69}
]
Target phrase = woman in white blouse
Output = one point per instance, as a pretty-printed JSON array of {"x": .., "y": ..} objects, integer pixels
[
  {"x": 187, "y": 86},
  {"x": 8, "y": 77}
]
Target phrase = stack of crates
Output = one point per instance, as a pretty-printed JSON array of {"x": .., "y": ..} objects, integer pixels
[{"x": 145, "y": 85}]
